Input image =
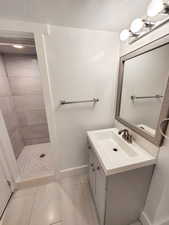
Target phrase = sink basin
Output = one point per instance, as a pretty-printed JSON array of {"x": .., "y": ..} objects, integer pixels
[
  {"x": 117, "y": 155},
  {"x": 111, "y": 139}
]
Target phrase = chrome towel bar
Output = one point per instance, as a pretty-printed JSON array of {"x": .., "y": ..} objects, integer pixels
[
  {"x": 64, "y": 102},
  {"x": 143, "y": 97}
]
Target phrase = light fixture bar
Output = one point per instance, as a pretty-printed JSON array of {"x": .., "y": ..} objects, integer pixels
[
  {"x": 166, "y": 8},
  {"x": 143, "y": 26},
  {"x": 157, "y": 25}
]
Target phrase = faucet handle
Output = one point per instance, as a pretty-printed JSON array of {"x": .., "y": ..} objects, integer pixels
[
  {"x": 130, "y": 138},
  {"x": 121, "y": 131}
]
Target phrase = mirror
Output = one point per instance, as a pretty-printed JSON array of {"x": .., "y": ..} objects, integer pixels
[{"x": 143, "y": 89}]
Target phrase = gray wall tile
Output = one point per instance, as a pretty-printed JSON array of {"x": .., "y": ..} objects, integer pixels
[
  {"x": 25, "y": 85},
  {"x": 8, "y": 111},
  {"x": 17, "y": 142},
  {"x": 35, "y": 131},
  {"x": 2, "y": 67},
  {"x": 27, "y": 96},
  {"x": 6, "y": 105},
  {"x": 9, "y": 114},
  {"x": 28, "y": 102},
  {"x": 11, "y": 123},
  {"x": 32, "y": 117},
  {"x": 4, "y": 87},
  {"x": 35, "y": 141},
  {"x": 19, "y": 65}
]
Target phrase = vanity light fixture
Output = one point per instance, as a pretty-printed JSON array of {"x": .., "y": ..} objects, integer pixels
[
  {"x": 139, "y": 24},
  {"x": 18, "y": 46},
  {"x": 138, "y": 27},
  {"x": 126, "y": 34},
  {"x": 157, "y": 7}
]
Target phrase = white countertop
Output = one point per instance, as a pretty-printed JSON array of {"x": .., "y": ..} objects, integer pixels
[{"x": 128, "y": 156}]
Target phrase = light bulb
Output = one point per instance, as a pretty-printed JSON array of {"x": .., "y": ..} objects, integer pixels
[
  {"x": 18, "y": 46},
  {"x": 124, "y": 35},
  {"x": 137, "y": 25},
  {"x": 155, "y": 7}
]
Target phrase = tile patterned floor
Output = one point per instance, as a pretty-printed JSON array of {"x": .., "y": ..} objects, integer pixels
[
  {"x": 61, "y": 203},
  {"x": 31, "y": 165},
  {"x": 67, "y": 202}
]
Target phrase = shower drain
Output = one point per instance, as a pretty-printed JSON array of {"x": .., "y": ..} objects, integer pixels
[{"x": 42, "y": 155}]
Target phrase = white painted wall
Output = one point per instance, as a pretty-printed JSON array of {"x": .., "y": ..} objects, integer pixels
[
  {"x": 82, "y": 65},
  {"x": 156, "y": 210}
]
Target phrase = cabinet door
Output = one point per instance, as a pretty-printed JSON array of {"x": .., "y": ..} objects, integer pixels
[
  {"x": 100, "y": 196},
  {"x": 92, "y": 176}
]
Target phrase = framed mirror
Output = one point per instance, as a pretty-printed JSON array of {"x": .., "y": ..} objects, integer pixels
[{"x": 143, "y": 89}]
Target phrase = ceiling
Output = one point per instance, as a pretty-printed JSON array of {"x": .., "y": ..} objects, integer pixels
[{"x": 111, "y": 15}]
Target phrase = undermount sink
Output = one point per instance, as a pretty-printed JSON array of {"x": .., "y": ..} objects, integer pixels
[{"x": 115, "y": 154}]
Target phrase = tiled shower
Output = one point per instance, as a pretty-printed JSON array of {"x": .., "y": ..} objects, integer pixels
[{"x": 23, "y": 108}]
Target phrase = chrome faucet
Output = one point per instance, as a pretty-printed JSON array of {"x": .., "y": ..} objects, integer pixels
[{"x": 126, "y": 135}]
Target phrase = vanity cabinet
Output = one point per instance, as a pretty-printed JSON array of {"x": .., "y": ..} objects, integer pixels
[
  {"x": 119, "y": 198},
  {"x": 97, "y": 185}
]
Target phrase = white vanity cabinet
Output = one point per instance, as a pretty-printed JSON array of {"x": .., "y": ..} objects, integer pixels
[
  {"x": 98, "y": 185},
  {"x": 119, "y": 198}
]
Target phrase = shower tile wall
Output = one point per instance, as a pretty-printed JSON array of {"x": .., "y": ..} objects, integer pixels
[
  {"x": 8, "y": 111},
  {"x": 24, "y": 79}
]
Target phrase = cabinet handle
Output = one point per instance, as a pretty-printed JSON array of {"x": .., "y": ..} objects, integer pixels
[
  {"x": 93, "y": 169},
  {"x": 91, "y": 164},
  {"x": 98, "y": 168}
]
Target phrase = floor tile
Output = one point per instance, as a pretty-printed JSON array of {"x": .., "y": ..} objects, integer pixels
[
  {"x": 47, "y": 208},
  {"x": 25, "y": 192},
  {"x": 76, "y": 202},
  {"x": 70, "y": 182},
  {"x": 19, "y": 211},
  {"x": 67, "y": 202}
]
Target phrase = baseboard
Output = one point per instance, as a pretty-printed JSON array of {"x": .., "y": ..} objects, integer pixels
[
  {"x": 25, "y": 183},
  {"x": 145, "y": 220},
  {"x": 75, "y": 171}
]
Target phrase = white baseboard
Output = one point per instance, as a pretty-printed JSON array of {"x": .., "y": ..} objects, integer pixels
[
  {"x": 75, "y": 171},
  {"x": 145, "y": 220},
  {"x": 25, "y": 183}
]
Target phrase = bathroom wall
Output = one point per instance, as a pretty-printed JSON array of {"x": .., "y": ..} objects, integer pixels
[
  {"x": 156, "y": 210},
  {"x": 8, "y": 111},
  {"x": 82, "y": 65},
  {"x": 25, "y": 84}
]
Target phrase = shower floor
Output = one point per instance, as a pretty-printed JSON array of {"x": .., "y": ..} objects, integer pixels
[{"x": 31, "y": 165}]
